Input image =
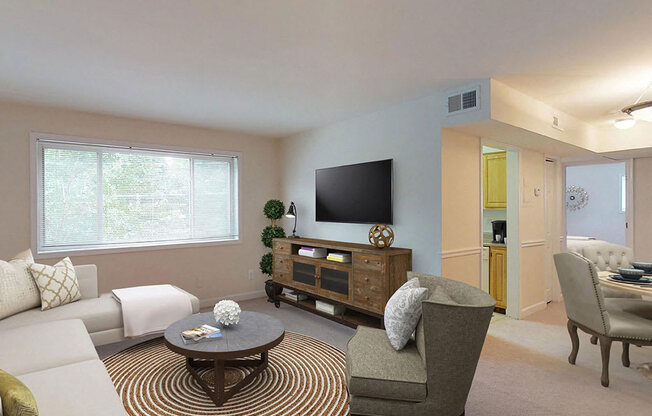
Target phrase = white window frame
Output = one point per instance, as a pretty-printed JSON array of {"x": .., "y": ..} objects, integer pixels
[
  {"x": 623, "y": 194},
  {"x": 35, "y": 209}
]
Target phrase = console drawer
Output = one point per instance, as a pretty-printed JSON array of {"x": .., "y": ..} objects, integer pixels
[
  {"x": 281, "y": 247},
  {"x": 281, "y": 277},
  {"x": 369, "y": 297},
  {"x": 367, "y": 262},
  {"x": 281, "y": 263}
]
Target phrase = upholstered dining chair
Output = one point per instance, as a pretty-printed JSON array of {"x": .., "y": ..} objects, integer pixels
[
  {"x": 431, "y": 375},
  {"x": 610, "y": 319}
]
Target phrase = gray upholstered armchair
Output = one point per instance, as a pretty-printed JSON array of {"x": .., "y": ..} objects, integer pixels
[
  {"x": 610, "y": 319},
  {"x": 431, "y": 376}
]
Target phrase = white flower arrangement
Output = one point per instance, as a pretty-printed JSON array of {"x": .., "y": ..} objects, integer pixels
[{"x": 227, "y": 312}]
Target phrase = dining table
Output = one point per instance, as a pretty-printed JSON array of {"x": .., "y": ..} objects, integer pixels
[{"x": 643, "y": 290}]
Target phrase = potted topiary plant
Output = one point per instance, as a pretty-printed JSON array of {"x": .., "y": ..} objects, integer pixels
[{"x": 274, "y": 210}]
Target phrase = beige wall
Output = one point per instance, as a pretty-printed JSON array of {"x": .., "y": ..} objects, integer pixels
[
  {"x": 531, "y": 230},
  {"x": 461, "y": 207},
  {"x": 209, "y": 272},
  {"x": 642, "y": 208}
]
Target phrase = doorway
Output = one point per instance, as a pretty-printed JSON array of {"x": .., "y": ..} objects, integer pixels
[
  {"x": 596, "y": 203},
  {"x": 494, "y": 224}
]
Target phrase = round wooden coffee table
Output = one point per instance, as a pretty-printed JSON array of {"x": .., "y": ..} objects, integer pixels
[{"x": 256, "y": 333}]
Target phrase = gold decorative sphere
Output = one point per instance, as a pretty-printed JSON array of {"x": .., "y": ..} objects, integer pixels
[{"x": 381, "y": 235}]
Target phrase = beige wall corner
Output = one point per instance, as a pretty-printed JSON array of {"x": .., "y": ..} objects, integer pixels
[
  {"x": 531, "y": 230},
  {"x": 461, "y": 207}
]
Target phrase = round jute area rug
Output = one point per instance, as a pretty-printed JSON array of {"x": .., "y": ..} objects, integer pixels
[{"x": 305, "y": 376}]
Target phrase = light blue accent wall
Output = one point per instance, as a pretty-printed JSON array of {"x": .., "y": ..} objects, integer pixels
[
  {"x": 601, "y": 218},
  {"x": 409, "y": 133}
]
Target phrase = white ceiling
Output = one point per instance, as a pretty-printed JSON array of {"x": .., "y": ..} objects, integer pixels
[{"x": 278, "y": 67}]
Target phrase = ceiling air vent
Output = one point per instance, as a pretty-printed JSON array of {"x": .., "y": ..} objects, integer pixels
[{"x": 464, "y": 100}]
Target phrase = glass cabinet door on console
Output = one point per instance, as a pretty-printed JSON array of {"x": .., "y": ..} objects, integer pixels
[
  {"x": 304, "y": 273},
  {"x": 335, "y": 280}
]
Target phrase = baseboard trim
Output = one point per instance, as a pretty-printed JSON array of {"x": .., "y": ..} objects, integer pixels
[
  {"x": 208, "y": 302},
  {"x": 532, "y": 309}
]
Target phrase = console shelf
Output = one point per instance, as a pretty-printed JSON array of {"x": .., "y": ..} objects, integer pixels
[{"x": 362, "y": 286}]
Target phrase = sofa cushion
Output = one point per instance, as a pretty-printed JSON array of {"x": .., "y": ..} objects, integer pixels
[
  {"x": 403, "y": 311},
  {"x": 17, "y": 398},
  {"x": 98, "y": 314},
  {"x": 58, "y": 284},
  {"x": 46, "y": 345},
  {"x": 18, "y": 292},
  {"x": 83, "y": 388},
  {"x": 375, "y": 369}
]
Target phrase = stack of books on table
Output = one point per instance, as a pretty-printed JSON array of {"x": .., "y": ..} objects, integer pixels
[
  {"x": 200, "y": 334},
  {"x": 295, "y": 296},
  {"x": 339, "y": 257},
  {"x": 314, "y": 252}
]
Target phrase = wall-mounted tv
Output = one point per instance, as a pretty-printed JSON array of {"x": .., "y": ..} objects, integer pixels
[{"x": 360, "y": 193}]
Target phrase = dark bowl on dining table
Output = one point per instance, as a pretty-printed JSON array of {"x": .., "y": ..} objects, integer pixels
[
  {"x": 631, "y": 274},
  {"x": 645, "y": 266}
]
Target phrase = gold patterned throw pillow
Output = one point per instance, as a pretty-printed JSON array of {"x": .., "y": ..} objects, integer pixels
[
  {"x": 58, "y": 284},
  {"x": 18, "y": 291},
  {"x": 17, "y": 400}
]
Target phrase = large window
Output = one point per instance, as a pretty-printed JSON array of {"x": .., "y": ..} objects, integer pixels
[{"x": 93, "y": 196}]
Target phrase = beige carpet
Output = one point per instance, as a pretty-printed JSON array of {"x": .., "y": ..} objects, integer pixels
[{"x": 524, "y": 370}]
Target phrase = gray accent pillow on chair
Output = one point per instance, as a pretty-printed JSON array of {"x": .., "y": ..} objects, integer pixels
[{"x": 403, "y": 311}]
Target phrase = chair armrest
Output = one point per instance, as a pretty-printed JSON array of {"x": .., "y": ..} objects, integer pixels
[{"x": 87, "y": 278}]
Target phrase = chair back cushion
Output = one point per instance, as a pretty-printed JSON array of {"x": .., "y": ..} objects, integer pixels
[
  {"x": 605, "y": 256},
  {"x": 609, "y": 257},
  {"x": 450, "y": 337},
  {"x": 580, "y": 287}
]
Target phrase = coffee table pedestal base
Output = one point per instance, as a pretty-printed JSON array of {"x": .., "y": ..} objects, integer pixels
[{"x": 218, "y": 394}]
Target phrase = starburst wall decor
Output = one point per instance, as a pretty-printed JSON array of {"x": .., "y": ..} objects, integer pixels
[{"x": 576, "y": 198}]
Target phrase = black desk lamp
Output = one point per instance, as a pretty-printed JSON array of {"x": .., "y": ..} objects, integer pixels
[{"x": 292, "y": 213}]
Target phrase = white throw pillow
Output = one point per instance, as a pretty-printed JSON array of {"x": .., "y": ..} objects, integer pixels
[
  {"x": 58, "y": 284},
  {"x": 18, "y": 292},
  {"x": 403, "y": 311}
]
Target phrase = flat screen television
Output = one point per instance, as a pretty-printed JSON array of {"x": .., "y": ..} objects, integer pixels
[{"x": 360, "y": 193}]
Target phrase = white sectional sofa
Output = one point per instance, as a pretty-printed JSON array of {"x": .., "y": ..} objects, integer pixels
[
  {"x": 101, "y": 314},
  {"x": 58, "y": 363},
  {"x": 53, "y": 352}
]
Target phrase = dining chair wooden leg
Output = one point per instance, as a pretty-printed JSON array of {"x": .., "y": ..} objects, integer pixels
[
  {"x": 605, "y": 350},
  {"x": 575, "y": 340},
  {"x": 594, "y": 339},
  {"x": 625, "y": 356}
]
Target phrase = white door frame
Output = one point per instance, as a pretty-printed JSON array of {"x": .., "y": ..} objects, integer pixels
[{"x": 513, "y": 209}]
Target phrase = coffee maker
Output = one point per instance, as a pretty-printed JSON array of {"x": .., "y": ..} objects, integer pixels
[{"x": 499, "y": 228}]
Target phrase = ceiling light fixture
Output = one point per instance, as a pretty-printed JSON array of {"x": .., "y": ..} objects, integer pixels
[
  {"x": 624, "y": 123},
  {"x": 637, "y": 111},
  {"x": 640, "y": 111}
]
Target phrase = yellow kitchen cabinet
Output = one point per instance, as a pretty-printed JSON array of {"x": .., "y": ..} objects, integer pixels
[
  {"x": 498, "y": 275},
  {"x": 494, "y": 180}
]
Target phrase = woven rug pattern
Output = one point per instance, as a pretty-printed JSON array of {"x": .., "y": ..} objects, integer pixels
[{"x": 305, "y": 376}]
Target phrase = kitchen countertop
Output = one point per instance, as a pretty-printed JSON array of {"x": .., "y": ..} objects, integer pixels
[
  {"x": 486, "y": 241},
  {"x": 490, "y": 244}
]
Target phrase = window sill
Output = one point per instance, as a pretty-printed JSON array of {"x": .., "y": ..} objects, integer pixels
[{"x": 49, "y": 254}]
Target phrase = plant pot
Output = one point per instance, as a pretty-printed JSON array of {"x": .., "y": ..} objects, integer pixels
[{"x": 272, "y": 290}]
